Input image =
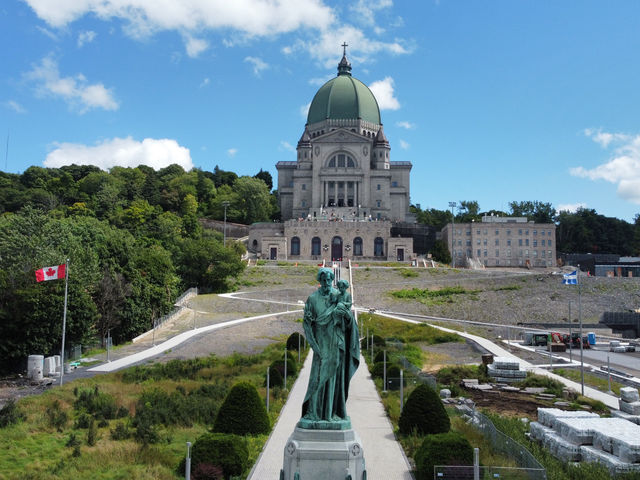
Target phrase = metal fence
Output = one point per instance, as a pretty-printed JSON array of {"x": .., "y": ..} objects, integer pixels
[
  {"x": 448, "y": 472},
  {"x": 180, "y": 303},
  {"x": 529, "y": 467}
]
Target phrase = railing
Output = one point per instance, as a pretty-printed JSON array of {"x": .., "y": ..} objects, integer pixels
[
  {"x": 179, "y": 306},
  {"x": 462, "y": 472}
]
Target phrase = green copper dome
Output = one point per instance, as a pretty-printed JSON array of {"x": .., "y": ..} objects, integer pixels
[{"x": 344, "y": 97}]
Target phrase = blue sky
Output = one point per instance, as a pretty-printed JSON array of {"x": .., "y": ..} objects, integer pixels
[{"x": 493, "y": 101}]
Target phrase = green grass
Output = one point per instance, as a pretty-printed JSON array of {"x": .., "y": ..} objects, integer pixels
[
  {"x": 594, "y": 381},
  {"x": 32, "y": 449},
  {"x": 434, "y": 297}
]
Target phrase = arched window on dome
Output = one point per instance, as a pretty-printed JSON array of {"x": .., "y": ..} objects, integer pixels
[
  {"x": 295, "y": 246},
  {"x": 315, "y": 246},
  {"x": 341, "y": 160}
]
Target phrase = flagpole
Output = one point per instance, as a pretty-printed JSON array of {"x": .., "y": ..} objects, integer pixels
[
  {"x": 580, "y": 320},
  {"x": 64, "y": 317}
]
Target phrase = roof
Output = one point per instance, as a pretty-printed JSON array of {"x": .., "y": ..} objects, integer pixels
[{"x": 344, "y": 97}]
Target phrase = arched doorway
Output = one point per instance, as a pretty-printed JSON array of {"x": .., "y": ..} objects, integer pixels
[{"x": 336, "y": 249}]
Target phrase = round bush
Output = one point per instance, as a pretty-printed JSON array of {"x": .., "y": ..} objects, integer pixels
[
  {"x": 378, "y": 341},
  {"x": 292, "y": 341},
  {"x": 424, "y": 413},
  {"x": 275, "y": 379},
  {"x": 379, "y": 357},
  {"x": 206, "y": 471},
  {"x": 228, "y": 452},
  {"x": 449, "y": 448},
  {"x": 292, "y": 367},
  {"x": 242, "y": 412},
  {"x": 377, "y": 371},
  {"x": 393, "y": 377}
]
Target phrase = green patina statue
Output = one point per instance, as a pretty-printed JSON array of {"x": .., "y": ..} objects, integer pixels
[{"x": 332, "y": 333}]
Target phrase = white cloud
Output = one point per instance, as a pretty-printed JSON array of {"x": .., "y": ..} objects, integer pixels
[
  {"x": 232, "y": 152},
  {"x": 15, "y": 106},
  {"x": 123, "y": 152},
  {"x": 287, "y": 146},
  {"x": 404, "y": 145},
  {"x": 205, "y": 82},
  {"x": 407, "y": 125},
  {"x": 76, "y": 91},
  {"x": 145, "y": 17},
  {"x": 571, "y": 207},
  {"x": 48, "y": 33},
  {"x": 383, "y": 91},
  {"x": 324, "y": 48},
  {"x": 86, "y": 36},
  {"x": 195, "y": 46},
  {"x": 623, "y": 166},
  {"x": 304, "y": 110},
  {"x": 319, "y": 81},
  {"x": 259, "y": 65},
  {"x": 365, "y": 10}
]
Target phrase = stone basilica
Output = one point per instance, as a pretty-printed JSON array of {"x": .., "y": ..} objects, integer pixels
[{"x": 342, "y": 195}]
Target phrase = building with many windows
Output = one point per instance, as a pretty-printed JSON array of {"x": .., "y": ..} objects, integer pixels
[
  {"x": 341, "y": 196},
  {"x": 501, "y": 242}
]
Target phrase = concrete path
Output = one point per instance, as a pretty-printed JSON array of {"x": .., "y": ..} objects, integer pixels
[
  {"x": 384, "y": 458},
  {"x": 173, "y": 341},
  {"x": 610, "y": 401}
]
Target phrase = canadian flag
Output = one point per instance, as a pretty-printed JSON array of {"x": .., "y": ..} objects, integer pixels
[{"x": 51, "y": 273}]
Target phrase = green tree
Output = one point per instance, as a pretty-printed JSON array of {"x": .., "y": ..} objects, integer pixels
[
  {"x": 440, "y": 252},
  {"x": 252, "y": 199},
  {"x": 265, "y": 177},
  {"x": 469, "y": 210},
  {"x": 539, "y": 212}
]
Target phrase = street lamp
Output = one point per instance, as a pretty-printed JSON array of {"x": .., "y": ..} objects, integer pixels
[
  {"x": 453, "y": 224},
  {"x": 225, "y": 204}
]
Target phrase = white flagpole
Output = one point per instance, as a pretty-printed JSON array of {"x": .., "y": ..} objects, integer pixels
[{"x": 64, "y": 317}]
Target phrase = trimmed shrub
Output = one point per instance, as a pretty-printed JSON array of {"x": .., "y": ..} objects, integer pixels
[
  {"x": 442, "y": 449},
  {"x": 377, "y": 371},
  {"x": 379, "y": 357},
  {"x": 292, "y": 341},
  {"x": 229, "y": 452},
  {"x": 206, "y": 471},
  {"x": 424, "y": 413},
  {"x": 393, "y": 377},
  {"x": 10, "y": 414},
  {"x": 242, "y": 412},
  {"x": 292, "y": 367},
  {"x": 275, "y": 379}
]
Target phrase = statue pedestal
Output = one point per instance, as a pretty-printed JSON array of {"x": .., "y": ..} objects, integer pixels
[{"x": 323, "y": 454}]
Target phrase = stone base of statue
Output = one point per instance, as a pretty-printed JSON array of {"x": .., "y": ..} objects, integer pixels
[{"x": 332, "y": 454}]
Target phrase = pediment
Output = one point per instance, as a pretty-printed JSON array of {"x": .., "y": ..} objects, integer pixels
[{"x": 341, "y": 135}]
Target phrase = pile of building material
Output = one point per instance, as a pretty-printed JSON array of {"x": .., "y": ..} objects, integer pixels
[
  {"x": 505, "y": 370},
  {"x": 574, "y": 436},
  {"x": 629, "y": 404}
]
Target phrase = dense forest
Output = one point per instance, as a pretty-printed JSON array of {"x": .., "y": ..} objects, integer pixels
[
  {"x": 584, "y": 231},
  {"x": 133, "y": 240}
]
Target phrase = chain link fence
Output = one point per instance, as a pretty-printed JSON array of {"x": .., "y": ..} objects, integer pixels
[{"x": 528, "y": 467}]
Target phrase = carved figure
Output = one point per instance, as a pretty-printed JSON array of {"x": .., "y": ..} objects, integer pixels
[{"x": 332, "y": 333}]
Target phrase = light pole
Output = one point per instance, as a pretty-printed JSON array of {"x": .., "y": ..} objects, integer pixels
[
  {"x": 453, "y": 224},
  {"x": 225, "y": 204}
]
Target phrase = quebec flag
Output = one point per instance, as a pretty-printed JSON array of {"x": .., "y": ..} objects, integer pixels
[{"x": 570, "y": 278}]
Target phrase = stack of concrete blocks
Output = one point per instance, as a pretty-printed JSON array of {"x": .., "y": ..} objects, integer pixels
[
  {"x": 505, "y": 370},
  {"x": 629, "y": 404},
  {"x": 49, "y": 366},
  {"x": 584, "y": 436}
]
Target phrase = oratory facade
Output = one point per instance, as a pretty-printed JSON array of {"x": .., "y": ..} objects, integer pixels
[{"x": 339, "y": 198}]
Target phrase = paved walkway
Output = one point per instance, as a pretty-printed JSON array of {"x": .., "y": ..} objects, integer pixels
[{"x": 384, "y": 458}]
